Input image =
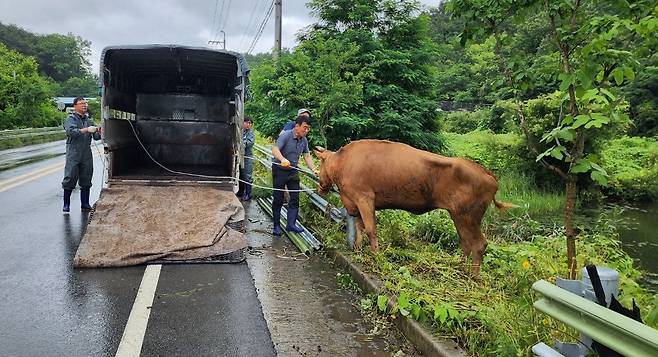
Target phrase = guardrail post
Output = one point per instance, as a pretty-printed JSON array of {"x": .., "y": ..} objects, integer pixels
[
  {"x": 351, "y": 228},
  {"x": 583, "y": 288}
]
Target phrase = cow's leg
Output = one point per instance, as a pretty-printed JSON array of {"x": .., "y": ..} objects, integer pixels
[
  {"x": 464, "y": 236},
  {"x": 472, "y": 240},
  {"x": 479, "y": 244},
  {"x": 367, "y": 210}
]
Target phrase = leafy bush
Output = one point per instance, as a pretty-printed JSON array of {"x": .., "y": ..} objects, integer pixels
[
  {"x": 436, "y": 227},
  {"x": 463, "y": 122},
  {"x": 632, "y": 163},
  {"x": 496, "y": 152},
  {"x": 644, "y": 103},
  {"x": 25, "y": 96},
  {"x": 502, "y": 118}
]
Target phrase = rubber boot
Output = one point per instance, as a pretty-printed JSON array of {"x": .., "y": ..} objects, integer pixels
[
  {"x": 247, "y": 192},
  {"x": 84, "y": 199},
  {"x": 276, "y": 216},
  {"x": 292, "y": 221},
  {"x": 67, "y": 201}
]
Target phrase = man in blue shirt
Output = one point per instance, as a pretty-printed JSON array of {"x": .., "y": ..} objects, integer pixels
[{"x": 290, "y": 145}]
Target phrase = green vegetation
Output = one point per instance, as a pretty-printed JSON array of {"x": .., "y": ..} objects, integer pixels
[
  {"x": 420, "y": 263},
  {"x": 25, "y": 97},
  {"x": 365, "y": 69},
  {"x": 36, "y": 68},
  {"x": 15, "y": 138},
  {"x": 62, "y": 58},
  {"x": 633, "y": 166},
  {"x": 550, "y": 96},
  {"x": 590, "y": 51}
]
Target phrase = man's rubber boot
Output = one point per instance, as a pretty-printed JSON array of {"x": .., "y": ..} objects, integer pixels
[
  {"x": 67, "y": 201},
  {"x": 276, "y": 216},
  {"x": 292, "y": 221},
  {"x": 84, "y": 199},
  {"x": 247, "y": 192}
]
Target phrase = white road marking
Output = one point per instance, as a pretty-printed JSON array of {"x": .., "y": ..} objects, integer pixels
[
  {"x": 33, "y": 175},
  {"x": 133, "y": 334}
]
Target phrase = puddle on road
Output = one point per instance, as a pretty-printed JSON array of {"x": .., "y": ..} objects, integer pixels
[{"x": 306, "y": 312}]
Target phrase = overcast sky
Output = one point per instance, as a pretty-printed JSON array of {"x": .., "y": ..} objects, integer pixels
[{"x": 191, "y": 22}]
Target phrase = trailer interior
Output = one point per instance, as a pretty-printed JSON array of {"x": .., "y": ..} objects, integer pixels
[{"x": 172, "y": 108}]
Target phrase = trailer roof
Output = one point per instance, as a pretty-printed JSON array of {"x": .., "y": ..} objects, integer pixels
[{"x": 164, "y": 58}]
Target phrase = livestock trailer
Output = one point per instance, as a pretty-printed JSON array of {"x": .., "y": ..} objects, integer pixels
[
  {"x": 172, "y": 114},
  {"x": 172, "y": 134}
]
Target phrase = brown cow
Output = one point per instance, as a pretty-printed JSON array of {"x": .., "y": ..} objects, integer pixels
[{"x": 378, "y": 174}]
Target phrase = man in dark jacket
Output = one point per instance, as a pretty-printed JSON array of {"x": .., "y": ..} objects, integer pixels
[
  {"x": 79, "y": 162},
  {"x": 248, "y": 139}
]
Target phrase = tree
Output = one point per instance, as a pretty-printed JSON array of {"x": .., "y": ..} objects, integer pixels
[
  {"x": 60, "y": 57},
  {"x": 365, "y": 69},
  {"x": 86, "y": 86},
  {"x": 25, "y": 96},
  {"x": 589, "y": 59}
]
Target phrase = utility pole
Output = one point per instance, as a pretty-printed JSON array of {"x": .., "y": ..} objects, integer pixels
[
  {"x": 277, "y": 27},
  {"x": 223, "y": 42}
]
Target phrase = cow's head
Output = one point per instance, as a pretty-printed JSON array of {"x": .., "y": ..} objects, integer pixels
[{"x": 325, "y": 181}]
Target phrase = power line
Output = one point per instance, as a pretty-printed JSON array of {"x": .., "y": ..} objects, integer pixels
[
  {"x": 228, "y": 8},
  {"x": 219, "y": 22},
  {"x": 214, "y": 18},
  {"x": 251, "y": 22},
  {"x": 262, "y": 27}
]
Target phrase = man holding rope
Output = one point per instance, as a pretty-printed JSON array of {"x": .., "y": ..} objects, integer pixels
[
  {"x": 289, "y": 147},
  {"x": 79, "y": 167}
]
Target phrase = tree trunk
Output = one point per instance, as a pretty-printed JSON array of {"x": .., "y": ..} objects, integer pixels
[{"x": 568, "y": 224}]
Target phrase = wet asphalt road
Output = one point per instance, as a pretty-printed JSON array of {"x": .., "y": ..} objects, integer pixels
[
  {"x": 265, "y": 306},
  {"x": 50, "y": 309}
]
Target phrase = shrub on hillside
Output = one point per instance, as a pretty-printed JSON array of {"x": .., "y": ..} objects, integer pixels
[
  {"x": 632, "y": 164},
  {"x": 502, "y": 118},
  {"x": 463, "y": 121}
]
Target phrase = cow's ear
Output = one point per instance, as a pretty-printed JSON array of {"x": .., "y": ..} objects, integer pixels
[{"x": 321, "y": 154}]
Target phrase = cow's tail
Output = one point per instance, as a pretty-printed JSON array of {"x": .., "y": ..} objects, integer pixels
[
  {"x": 504, "y": 205},
  {"x": 500, "y": 204}
]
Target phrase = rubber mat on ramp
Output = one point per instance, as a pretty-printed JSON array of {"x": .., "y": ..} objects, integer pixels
[{"x": 133, "y": 225}]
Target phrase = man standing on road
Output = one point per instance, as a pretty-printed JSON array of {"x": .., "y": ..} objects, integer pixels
[
  {"x": 79, "y": 162},
  {"x": 289, "y": 147}
]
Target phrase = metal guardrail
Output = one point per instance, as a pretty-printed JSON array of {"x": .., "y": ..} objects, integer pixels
[
  {"x": 31, "y": 134},
  {"x": 8, "y": 132},
  {"x": 334, "y": 213},
  {"x": 337, "y": 215},
  {"x": 268, "y": 153},
  {"x": 622, "y": 334}
]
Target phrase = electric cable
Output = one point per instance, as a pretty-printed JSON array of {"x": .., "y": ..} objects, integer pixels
[{"x": 261, "y": 28}]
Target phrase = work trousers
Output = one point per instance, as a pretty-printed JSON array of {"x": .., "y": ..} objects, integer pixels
[{"x": 282, "y": 178}]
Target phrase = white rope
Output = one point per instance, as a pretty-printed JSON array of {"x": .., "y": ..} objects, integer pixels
[{"x": 231, "y": 178}]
